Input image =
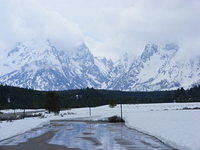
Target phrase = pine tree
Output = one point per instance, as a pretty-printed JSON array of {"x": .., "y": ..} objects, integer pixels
[{"x": 52, "y": 102}]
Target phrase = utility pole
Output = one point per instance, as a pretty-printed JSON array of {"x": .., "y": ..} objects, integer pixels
[
  {"x": 121, "y": 110},
  {"x": 24, "y": 113},
  {"x": 90, "y": 111}
]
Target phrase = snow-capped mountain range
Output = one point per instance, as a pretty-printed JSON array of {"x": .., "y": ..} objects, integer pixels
[
  {"x": 158, "y": 69},
  {"x": 44, "y": 67}
]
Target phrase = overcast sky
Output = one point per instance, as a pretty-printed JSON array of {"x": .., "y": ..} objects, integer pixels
[{"x": 108, "y": 27}]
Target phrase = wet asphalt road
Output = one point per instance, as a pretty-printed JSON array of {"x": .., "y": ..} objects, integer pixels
[{"x": 65, "y": 135}]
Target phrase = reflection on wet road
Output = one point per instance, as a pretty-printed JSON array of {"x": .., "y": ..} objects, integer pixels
[{"x": 84, "y": 136}]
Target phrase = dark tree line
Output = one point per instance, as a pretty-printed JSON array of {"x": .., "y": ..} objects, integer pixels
[
  {"x": 14, "y": 97},
  {"x": 181, "y": 95}
]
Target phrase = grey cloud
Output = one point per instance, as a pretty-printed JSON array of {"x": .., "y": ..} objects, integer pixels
[
  {"x": 108, "y": 27},
  {"x": 26, "y": 20}
]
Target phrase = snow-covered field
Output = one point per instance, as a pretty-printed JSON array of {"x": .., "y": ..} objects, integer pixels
[{"x": 169, "y": 122}]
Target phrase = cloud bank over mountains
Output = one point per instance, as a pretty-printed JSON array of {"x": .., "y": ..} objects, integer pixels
[
  {"x": 109, "y": 28},
  {"x": 28, "y": 20}
]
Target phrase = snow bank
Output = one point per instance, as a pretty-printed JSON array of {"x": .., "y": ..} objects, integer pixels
[
  {"x": 20, "y": 110},
  {"x": 177, "y": 128},
  {"x": 9, "y": 129}
]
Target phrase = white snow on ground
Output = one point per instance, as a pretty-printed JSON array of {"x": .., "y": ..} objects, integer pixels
[
  {"x": 9, "y": 129},
  {"x": 179, "y": 128}
]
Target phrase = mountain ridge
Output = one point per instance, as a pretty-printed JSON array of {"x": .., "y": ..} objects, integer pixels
[{"x": 45, "y": 67}]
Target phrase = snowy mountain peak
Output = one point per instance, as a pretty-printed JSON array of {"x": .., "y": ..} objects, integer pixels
[
  {"x": 47, "y": 68},
  {"x": 157, "y": 69},
  {"x": 40, "y": 65}
]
